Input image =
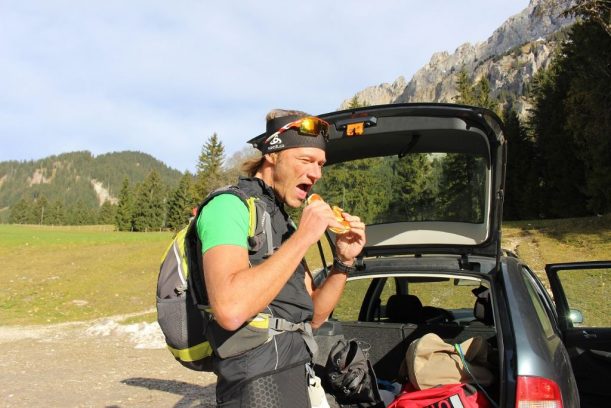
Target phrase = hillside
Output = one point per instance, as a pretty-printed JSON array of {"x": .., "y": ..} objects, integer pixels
[
  {"x": 78, "y": 176},
  {"x": 509, "y": 59}
]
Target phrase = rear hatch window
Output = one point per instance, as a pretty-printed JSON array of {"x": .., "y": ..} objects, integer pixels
[{"x": 413, "y": 188}]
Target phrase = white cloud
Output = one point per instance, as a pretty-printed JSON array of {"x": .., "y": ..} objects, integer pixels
[{"x": 161, "y": 77}]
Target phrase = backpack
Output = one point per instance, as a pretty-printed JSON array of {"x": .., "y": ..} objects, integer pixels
[
  {"x": 349, "y": 375},
  {"x": 182, "y": 306}
]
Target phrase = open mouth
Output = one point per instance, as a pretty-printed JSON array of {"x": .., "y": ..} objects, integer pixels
[{"x": 304, "y": 189}]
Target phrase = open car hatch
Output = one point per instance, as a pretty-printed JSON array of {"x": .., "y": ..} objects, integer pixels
[{"x": 426, "y": 178}]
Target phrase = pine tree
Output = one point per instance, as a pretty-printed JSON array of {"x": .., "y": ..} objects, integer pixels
[
  {"x": 20, "y": 212},
  {"x": 107, "y": 213},
  {"x": 411, "y": 194},
  {"x": 587, "y": 61},
  {"x": 56, "y": 215},
  {"x": 462, "y": 198},
  {"x": 355, "y": 103},
  {"x": 594, "y": 11},
  {"x": 483, "y": 97},
  {"x": 521, "y": 181},
  {"x": 464, "y": 86},
  {"x": 80, "y": 214},
  {"x": 193, "y": 193},
  {"x": 123, "y": 220},
  {"x": 475, "y": 94},
  {"x": 562, "y": 174},
  {"x": 180, "y": 204},
  {"x": 41, "y": 205},
  {"x": 149, "y": 206},
  {"x": 210, "y": 167}
]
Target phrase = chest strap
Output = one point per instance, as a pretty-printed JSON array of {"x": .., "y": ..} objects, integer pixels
[
  {"x": 257, "y": 331},
  {"x": 278, "y": 325}
]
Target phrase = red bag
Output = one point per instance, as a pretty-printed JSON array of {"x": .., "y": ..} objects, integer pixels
[{"x": 444, "y": 396}]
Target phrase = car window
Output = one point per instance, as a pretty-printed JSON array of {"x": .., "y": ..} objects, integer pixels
[
  {"x": 586, "y": 291},
  {"x": 545, "y": 296},
  {"x": 349, "y": 305},
  {"x": 542, "y": 315},
  {"x": 414, "y": 187},
  {"x": 390, "y": 288},
  {"x": 446, "y": 294}
]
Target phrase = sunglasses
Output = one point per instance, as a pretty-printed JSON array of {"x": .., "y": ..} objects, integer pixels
[{"x": 308, "y": 126}]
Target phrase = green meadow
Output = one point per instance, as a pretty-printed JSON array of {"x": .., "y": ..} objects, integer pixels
[{"x": 59, "y": 274}]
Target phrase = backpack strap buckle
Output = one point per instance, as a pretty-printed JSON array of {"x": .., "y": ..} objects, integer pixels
[{"x": 278, "y": 325}]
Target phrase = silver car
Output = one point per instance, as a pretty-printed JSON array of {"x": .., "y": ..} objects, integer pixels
[{"x": 428, "y": 179}]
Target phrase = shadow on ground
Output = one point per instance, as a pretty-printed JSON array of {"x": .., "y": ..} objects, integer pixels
[{"x": 193, "y": 396}]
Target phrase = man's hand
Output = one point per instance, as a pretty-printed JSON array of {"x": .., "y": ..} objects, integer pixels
[
  {"x": 315, "y": 219},
  {"x": 350, "y": 244}
]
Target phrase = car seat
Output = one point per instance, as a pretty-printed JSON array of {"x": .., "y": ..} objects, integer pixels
[
  {"x": 409, "y": 309},
  {"x": 432, "y": 314}
]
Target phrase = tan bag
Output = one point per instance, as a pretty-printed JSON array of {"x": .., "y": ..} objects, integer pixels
[{"x": 430, "y": 361}]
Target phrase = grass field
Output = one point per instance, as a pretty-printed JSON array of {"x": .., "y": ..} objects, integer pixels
[{"x": 58, "y": 274}]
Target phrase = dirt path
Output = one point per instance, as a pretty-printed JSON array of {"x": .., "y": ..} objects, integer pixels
[
  {"x": 96, "y": 364},
  {"x": 517, "y": 243}
]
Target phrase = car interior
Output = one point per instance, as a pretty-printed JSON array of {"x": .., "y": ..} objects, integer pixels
[{"x": 390, "y": 318}]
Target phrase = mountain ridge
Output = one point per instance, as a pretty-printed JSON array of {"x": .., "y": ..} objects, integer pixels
[
  {"x": 80, "y": 175},
  {"x": 509, "y": 58}
]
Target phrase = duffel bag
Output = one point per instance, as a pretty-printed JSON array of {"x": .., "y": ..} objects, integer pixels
[{"x": 443, "y": 396}]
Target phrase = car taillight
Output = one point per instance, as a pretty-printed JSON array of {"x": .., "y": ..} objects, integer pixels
[{"x": 538, "y": 392}]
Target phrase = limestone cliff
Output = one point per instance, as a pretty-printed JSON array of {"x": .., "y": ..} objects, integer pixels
[{"x": 509, "y": 59}]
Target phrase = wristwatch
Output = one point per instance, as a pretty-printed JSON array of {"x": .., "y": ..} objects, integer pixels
[{"x": 339, "y": 266}]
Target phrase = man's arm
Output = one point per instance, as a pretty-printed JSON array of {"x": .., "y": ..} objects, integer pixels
[
  {"x": 326, "y": 296},
  {"x": 236, "y": 291}
]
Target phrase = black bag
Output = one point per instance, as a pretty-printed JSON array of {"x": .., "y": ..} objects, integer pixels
[{"x": 349, "y": 375}]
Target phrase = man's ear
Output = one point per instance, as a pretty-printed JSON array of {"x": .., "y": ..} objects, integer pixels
[{"x": 271, "y": 158}]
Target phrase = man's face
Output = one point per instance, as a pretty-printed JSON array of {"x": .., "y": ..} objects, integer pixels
[{"x": 295, "y": 172}]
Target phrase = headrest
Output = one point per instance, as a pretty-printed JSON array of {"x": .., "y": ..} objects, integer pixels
[
  {"x": 403, "y": 308},
  {"x": 482, "y": 309}
]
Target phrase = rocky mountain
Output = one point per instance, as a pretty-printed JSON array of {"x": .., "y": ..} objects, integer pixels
[
  {"x": 78, "y": 176},
  {"x": 509, "y": 59}
]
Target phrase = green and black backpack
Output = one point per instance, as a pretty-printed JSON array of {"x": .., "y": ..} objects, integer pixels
[{"x": 183, "y": 312}]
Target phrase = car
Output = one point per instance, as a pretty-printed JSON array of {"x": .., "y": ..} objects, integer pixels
[{"x": 428, "y": 180}]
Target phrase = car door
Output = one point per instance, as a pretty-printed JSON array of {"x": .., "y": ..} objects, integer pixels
[{"x": 581, "y": 294}]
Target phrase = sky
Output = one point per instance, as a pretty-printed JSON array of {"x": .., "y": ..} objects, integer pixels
[{"x": 162, "y": 77}]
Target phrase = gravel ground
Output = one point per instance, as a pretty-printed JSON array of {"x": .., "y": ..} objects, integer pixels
[{"x": 96, "y": 364}]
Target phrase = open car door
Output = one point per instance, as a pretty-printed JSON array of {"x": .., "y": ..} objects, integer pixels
[{"x": 582, "y": 297}]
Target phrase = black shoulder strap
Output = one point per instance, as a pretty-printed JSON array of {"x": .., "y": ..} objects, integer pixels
[{"x": 262, "y": 232}]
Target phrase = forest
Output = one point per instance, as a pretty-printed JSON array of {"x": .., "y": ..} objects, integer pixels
[{"x": 559, "y": 160}]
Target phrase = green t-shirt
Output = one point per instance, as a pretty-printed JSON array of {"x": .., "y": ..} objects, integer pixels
[{"x": 223, "y": 221}]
